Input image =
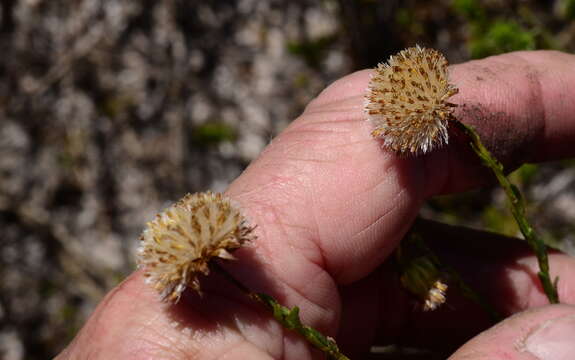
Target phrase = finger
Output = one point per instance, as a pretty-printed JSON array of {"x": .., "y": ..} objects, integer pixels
[
  {"x": 544, "y": 333},
  {"x": 520, "y": 105},
  {"x": 331, "y": 192},
  {"x": 533, "y": 89},
  {"x": 502, "y": 270}
]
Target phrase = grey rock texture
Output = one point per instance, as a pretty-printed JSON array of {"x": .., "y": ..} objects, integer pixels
[{"x": 111, "y": 110}]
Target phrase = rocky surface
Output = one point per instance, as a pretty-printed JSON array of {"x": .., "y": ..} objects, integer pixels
[{"x": 111, "y": 110}]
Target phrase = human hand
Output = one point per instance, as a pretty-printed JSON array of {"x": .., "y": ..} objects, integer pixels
[{"x": 331, "y": 205}]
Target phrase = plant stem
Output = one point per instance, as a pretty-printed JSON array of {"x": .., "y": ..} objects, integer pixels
[
  {"x": 517, "y": 206},
  {"x": 289, "y": 319}
]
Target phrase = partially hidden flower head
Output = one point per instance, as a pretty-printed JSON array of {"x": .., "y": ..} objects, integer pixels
[
  {"x": 422, "y": 277},
  {"x": 407, "y": 101},
  {"x": 178, "y": 245}
]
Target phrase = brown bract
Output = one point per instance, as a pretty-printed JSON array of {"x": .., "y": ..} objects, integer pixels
[
  {"x": 179, "y": 243},
  {"x": 407, "y": 101}
]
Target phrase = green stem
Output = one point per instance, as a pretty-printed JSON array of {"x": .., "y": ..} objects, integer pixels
[
  {"x": 289, "y": 319},
  {"x": 517, "y": 206}
]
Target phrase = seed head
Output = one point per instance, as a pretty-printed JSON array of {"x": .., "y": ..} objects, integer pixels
[
  {"x": 407, "y": 101},
  {"x": 179, "y": 243}
]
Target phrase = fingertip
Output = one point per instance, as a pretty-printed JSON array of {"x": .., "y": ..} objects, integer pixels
[{"x": 542, "y": 333}]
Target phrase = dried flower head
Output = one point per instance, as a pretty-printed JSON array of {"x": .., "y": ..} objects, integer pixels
[
  {"x": 179, "y": 243},
  {"x": 422, "y": 277},
  {"x": 435, "y": 296},
  {"x": 407, "y": 101}
]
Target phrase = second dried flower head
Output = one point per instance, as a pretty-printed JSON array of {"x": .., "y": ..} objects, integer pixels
[
  {"x": 177, "y": 246},
  {"x": 407, "y": 101}
]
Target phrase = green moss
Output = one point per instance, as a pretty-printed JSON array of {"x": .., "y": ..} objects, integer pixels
[
  {"x": 212, "y": 133},
  {"x": 490, "y": 37},
  {"x": 500, "y": 37}
]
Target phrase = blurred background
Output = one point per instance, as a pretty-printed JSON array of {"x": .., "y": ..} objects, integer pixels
[{"x": 110, "y": 110}]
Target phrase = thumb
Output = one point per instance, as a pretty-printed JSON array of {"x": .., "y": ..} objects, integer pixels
[{"x": 542, "y": 333}]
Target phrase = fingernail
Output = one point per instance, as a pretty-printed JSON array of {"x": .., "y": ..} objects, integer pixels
[{"x": 553, "y": 340}]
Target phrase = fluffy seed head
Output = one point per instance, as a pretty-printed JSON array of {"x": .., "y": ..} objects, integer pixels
[
  {"x": 407, "y": 101},
  {"x": 179, "y": 243}
]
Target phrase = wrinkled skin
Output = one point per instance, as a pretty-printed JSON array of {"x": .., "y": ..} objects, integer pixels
[{"x": 331, "y": 205}]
